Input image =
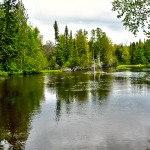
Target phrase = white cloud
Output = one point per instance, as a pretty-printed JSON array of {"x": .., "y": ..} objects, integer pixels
[
  {"x": 76, "y": 14},
  {"x": 69, "y": 8}
]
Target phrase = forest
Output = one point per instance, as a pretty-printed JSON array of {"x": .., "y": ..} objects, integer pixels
[{"x": 22, "y": 49}]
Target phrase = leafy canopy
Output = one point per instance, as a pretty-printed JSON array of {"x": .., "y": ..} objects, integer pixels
[{"x": 135, "y": 14}]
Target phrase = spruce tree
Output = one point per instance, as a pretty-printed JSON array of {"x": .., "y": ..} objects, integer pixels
[{"x": 56, "y": 30}]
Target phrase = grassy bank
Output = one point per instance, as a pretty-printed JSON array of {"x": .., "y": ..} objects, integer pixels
[
  {"x": 132, "y": 66},
  {"x": 3, "y": 73},
  {"x": 51, "y": 71}
]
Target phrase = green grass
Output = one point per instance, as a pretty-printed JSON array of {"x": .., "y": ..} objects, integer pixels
[
  {"x": 2, "y": 73},
  {"x": 131, "y": 66},
  {"x": 15, "y": 73},
  {"x": 51, "y": 71}
]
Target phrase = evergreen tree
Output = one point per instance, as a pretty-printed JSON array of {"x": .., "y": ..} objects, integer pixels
[
  {"x": 56, "y": 30},
  {"x": 147, "y": 50},
  {"x": 118, "y": 53},
  {"x": 140, "y": 53},
  {"x": 61, "y": 48},
  {"x": 71, "y": 47},
  {"x": 8, "y": 30},
  {"x": 132, "y": 53},
  {"x": 20, "y": 44},
  {"x": 67, "y": 51}
]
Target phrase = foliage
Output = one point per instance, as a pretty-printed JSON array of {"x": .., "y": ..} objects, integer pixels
[
  {"x": 79, "y": 52},
  {"x": 49, "y": 53},
  {"x": 20, "y": 43},
  {"x": 126, "y": 56},
  {"x": 118, "y": 53},
  {"x": 130, "y": 66},
  {"x": 56, "y": 32},
  {"x": 82, "y": 48},
  {"x": 22, "y": 50},
  {"x": 3, "y": 73},
  {"x": 134, "y": 54},
  {"x": 101, "y": 47},
  {"x": 51, "y": 71},
  {"x": 146, "y": 48},
  {"x": 134, "y": 13}
]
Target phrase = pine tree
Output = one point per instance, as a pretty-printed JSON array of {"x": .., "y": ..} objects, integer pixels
[
  {"x": 56, "y": 30},
  {"x": 67, "y": 52},
  {"x": 147, "y": 50},
  {"x": 132, "y": 53},
  {"x": 118, "y": 53},
  {"x": 8, "y": 31},
  {"x": 20, "y": 44},
  {"x": 61, "y": 48}
]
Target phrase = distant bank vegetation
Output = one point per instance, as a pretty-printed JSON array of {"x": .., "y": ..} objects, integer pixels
[
  {"x": 22, "y": 50},
  {"x": 132, "y": 66}
]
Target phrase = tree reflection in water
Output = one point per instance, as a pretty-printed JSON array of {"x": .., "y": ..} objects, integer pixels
[
  {"x": 114, "y": 107},
  {"x": 79, "y": 88},
  {"x": 20, "y": 99}
]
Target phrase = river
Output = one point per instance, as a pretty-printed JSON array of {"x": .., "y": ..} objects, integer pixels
[{"x": 76, "y": 111}]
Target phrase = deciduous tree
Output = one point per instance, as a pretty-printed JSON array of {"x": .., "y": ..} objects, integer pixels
[{"x": 134, "y": 14}]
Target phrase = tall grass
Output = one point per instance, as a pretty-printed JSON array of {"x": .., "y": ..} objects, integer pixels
[{"x": 131, "y": 66}]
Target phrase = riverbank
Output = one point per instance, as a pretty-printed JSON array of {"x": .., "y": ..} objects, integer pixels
[
  {"x": 132, "y": 66},
  {"x": 117, "y": 100},
  {"x": 51, "y": 71},
  {"x": 3, "y": 73}
]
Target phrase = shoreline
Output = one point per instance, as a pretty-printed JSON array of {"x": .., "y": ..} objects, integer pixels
[{"x": 3, "y": 73}]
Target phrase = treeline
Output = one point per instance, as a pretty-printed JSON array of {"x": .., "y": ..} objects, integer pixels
[
  {"x": 77, "y": 51},
  {"x": 22, "y": 50},
  {"x": 82, "y": 51},
  {"x": 135, "y": 53},
  {"x": 20, "y": 43}
]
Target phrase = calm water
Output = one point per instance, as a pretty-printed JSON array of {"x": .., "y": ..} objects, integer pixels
[{"x": 76, "y": 111}]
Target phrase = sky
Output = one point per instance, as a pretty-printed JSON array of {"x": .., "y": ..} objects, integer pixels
[{"x": 78, "y": 14}]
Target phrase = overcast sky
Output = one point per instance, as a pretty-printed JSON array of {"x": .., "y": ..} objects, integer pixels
[{"x": 77, "y": 14}]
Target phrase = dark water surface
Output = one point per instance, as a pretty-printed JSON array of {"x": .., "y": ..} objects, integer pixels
[{"x": 76, "y": 111}]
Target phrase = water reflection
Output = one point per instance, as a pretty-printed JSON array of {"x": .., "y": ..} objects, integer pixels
[
  {"x": 81, "y": 111},
  {"x": 79, "y": 88},
  {"x": 106, "y": 111},
  {"x": 133, "y": 81},
  {"x": 19, "y": 97}
]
